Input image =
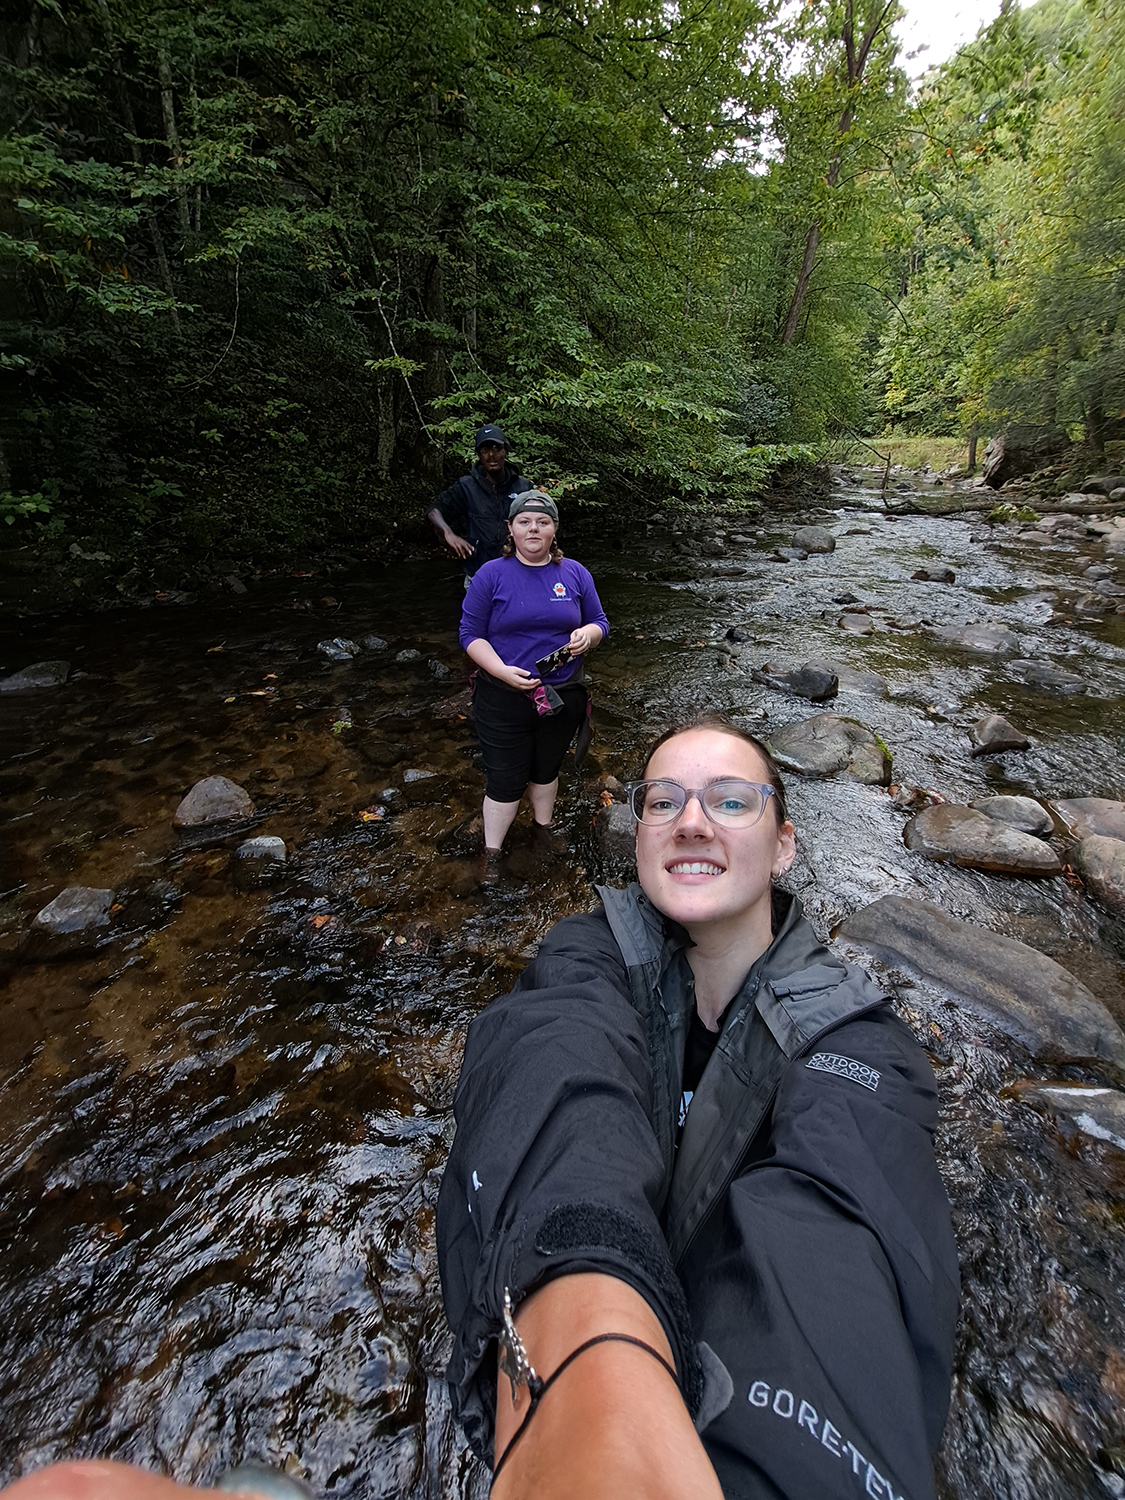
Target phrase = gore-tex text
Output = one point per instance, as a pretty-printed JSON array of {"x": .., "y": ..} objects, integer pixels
[{"x": 783, "y": 1404}]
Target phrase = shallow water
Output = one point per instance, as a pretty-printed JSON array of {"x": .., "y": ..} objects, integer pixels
[{"x": 223, "y": 1131}]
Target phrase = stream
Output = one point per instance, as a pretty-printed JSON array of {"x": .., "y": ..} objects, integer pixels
[{"x": 222, "y": 1129}]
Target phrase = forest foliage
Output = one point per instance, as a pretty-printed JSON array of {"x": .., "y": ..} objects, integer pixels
[{"x": 266, "y": 266}]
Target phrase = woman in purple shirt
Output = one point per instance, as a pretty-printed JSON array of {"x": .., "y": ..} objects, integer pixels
[{"x": 520, "y": 608}]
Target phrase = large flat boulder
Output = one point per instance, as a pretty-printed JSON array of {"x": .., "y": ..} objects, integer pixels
[
  {"x": 1101, "y": 863},
  {"x": 986, "y": 640},
  {"x": 963, "y": 836},
  {"x": 826, "y": 744},
  {"x": 1083, "y": 817},
  {"x": 1027, "y": 995}
]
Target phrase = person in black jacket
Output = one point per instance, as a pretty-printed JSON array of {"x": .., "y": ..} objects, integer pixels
[
  {"x": 693, "y": 1186},
  {"x": 471, "y": 516}
]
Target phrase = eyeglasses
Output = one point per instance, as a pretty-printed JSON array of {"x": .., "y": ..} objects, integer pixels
[{"x": 734, "y": 804}]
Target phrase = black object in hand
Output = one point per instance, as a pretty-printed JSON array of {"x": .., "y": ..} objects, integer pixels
[{"x": 552, "y": 663}]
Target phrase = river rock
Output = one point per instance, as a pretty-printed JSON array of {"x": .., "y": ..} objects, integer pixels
[
  {"x": 738, "y": 637},
  {"x": 827, "y": 743},
  {"x": 987, "y": 639},
  {"x": 791, "y": 554},
  {"x": 1021, "y": 449},
  {"x": 409, "y": 655},
  {"x": 1102, "y": 484},
  {"x": 374, "y": 643},
  {"x": 1023, "y": 813},
  {"x": 965, "y": 837},
  {"x": 338, "y": 649},
  {"x": 215, "y": 799},
  {"x": 854, "y": 680},
  {"x": 260, "y": 860},
  {"x": 419, "y": 786},
  {"x": 1041, "y": 674},
  {"x": 1083, "y": 817},
  {"x": 935, "y": 575},
  {"x": 439, "y": 669},
  {"x": 1029, "y": 996},
  {"x": 810, "y": 681},
  {"x": 857, "y": 624},
  {"x": 41, "y": 674},
  {"x": 814, "y": 539},
  {"x": 1101, "y": 863},
  {"x": 78, "y": 908},
  {"x": 993, "y": 735},
  {"x": 615, "y": 832},
  {"x": 1098, "y": 1113}
]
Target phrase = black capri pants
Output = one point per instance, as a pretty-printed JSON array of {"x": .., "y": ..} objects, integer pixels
[{"x": 520, "y": 745}]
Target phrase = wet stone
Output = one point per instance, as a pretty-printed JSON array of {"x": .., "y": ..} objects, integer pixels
[
  {"x": 615, "y": 832},
  {"x": 810, "y": 681},
  {"x": 1030, "y": 997},
  {"x": 935, "y": 575},
  {"x": 374, "y": 643},
  {"x": 409, "y": 655},
  {"x": 993, "y": 734},
  {"x": 1101, "y": 863},
  {"x": 1096, "y": 1113},
  {"x": 260, "y": 860},
  {"x": 41, "y": 674},
  {"x": 76, "y": 909},
  {"x": 814, "y": 539},
  {"x": 338, "y": 649},
  {"x": 1041, "y": 674},
  {"x": 826, "y": 744},
  {"x": 215, "y": 799},
  {"x": 1022, "y": 813},
  {"x": 739, "y": 637},
  {"x": 1084, "y": 816},
  {"x": 857, "y": 624},
  {"x": 790, "y": 554},
  {"x": 986, "y": 639},
  {"x": 964, "y": 836},
  {"x": 853, "y": 679},
  {"x": 416, "y": 775}
]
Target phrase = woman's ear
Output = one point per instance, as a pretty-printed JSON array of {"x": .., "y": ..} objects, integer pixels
[{"x": 786, "y": 849}]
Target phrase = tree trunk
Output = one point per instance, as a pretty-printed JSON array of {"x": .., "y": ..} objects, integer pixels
[
  {"x": 131, "y": 128},
  {"x": 973, "y": 440},
  {"x": 172, "y": 136},
  {"x": 857, "y": 62}
]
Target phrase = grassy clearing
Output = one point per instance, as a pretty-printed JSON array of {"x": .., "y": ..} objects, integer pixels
[{"x": 940, "y": 453}]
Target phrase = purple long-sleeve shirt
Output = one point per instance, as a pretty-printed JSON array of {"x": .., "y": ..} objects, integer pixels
[{"x": 524, "y": 613}]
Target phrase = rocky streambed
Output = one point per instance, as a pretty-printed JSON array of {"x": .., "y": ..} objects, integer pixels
[{"x": 230, "y": 1045}]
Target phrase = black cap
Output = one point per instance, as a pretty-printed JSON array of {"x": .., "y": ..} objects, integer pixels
[{"x": 489, "y": 435}]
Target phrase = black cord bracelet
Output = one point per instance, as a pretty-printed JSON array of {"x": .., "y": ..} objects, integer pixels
[{"x": 538, "y": 1388}]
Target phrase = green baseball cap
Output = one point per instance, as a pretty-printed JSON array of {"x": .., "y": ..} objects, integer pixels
[{"x": 534, "y": 500}]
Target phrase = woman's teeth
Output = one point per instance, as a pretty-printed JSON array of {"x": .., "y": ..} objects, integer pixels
[{"x": 697, "y": 867}]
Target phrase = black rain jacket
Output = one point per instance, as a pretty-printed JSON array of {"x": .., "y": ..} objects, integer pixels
[
  {"x": 478, "y": 512},
  {"x": 795, "y": 1241}
]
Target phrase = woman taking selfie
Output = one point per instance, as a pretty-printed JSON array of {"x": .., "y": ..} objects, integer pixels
[
  {"x": 694, "y": 1159},
  {"x": 520, "y": 609}
]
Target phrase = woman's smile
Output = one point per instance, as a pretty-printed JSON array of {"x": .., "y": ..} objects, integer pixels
[{"x": 685, "y": 868}]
